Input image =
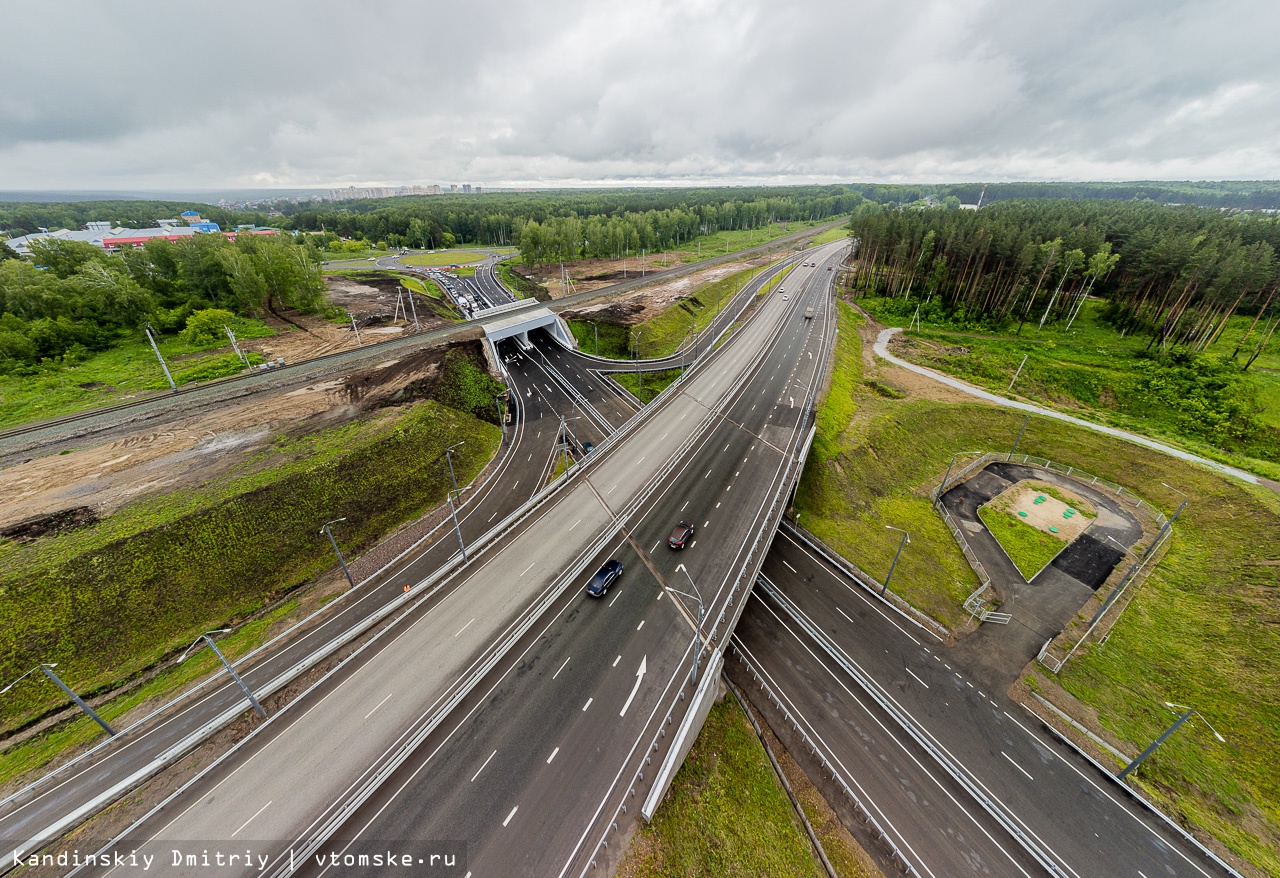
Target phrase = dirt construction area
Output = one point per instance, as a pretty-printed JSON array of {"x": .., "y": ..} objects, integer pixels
[
  {"x": 642, "y": 304},
  {"x": 1033, "y": 503},
  {"x": 184, "y": 452}
]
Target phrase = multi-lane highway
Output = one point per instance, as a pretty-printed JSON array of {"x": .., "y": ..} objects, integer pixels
[
  {"x": 958, "y": 776},
  {"x": 500, "y": 600}
]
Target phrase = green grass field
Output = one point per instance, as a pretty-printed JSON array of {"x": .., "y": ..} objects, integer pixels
[
  {"x": 720, "y": 243},
  {"x": 649, "y": 385},
  {"x": 128, "y": 370},
  {"x": 839, "y": 233},
  {"x": 726, "y": 814},
  {"x": 1204, "y": 630},
  {"x": 442, "y": 257},
  {"x": 1095, "y": 372},
  {"x": 1028, "y": 548}
]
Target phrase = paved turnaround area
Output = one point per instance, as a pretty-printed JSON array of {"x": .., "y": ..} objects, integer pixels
[{"x": 301, "y": 777}]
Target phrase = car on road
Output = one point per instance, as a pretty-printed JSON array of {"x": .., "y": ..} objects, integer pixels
[
  {"x": 680, "y": 535},
  {"x": 786, "y": 298},
  {"x": 609, "y": 573},
  {"x": 828, "y": 268}
]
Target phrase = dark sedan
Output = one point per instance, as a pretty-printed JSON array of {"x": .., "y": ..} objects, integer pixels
[
  {"x": 606, "y": 576},
  {"x": 680, "y": 536}
]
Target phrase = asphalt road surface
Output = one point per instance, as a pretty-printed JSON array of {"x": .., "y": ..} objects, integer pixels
[
  {"x": 300, "y": 777},
  {"x": 1079, "y": 821}
]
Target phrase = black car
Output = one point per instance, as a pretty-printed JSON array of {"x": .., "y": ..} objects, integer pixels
[
  {"x": 683, "y": 531},
  {"x": 606, "y": 576}
]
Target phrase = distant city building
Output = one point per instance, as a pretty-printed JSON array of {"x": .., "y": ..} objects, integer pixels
[
  {"x": 101, "y": 234},
  {"x": 466, "y": 188},
  {"x": 453, "y": 187}
]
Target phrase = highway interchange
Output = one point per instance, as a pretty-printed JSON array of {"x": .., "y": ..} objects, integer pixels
[{"x": 508, "y": 715}]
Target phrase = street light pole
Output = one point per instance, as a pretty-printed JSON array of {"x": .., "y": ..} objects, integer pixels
[
  {"x": 327, "y": 532},
  {"x": 456, "y": 527},
  {"x": 48, "y": 672},
  {"x": 906, "y": 538},
  {"x": 1186, "y": 715},
  {"x": 697, "y": 634},
  {"x": 943, "y": 487},
  {"x": 448, "y": 456},
  {"x": 502, "y": 416},
  {"x": 226, "y": 664}
]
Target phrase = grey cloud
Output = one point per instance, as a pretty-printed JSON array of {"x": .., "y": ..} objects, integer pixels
[{"x": 309, "y": 93}]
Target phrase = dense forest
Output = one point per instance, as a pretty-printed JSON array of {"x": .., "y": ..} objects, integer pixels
[
  {"x": 549, "y": 226},
  {"x": 83, "y": 299},
  {"x": 1176, "y": 274}
]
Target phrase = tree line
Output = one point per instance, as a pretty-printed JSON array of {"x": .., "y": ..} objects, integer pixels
[
  {"x": 74, "y": 297},
  {"x": 549, "y": 226},
  {"x": 1174, "y": 273}
]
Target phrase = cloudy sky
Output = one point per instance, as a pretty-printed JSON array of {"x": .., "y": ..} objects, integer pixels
[{"x": 585, "y": 92}]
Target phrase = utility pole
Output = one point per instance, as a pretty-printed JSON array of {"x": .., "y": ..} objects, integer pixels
[
  {"x": 1019, "y": 372},
  {"x": 234, "y": 346},
  {"x": 697, "y": 634},
  {"x": 502, "y": 416},
  {"x": 414, "y": 308},
  {"x": 163, "y": 364},
  {"x": 356, "y": 330}
]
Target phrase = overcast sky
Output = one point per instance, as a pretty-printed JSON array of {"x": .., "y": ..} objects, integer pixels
[{"x": 586, "y": 92}]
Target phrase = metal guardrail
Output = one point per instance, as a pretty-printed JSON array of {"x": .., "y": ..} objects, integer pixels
[
  {"x": 955, "y": 770},
  {"x": 814, "y": 748}
]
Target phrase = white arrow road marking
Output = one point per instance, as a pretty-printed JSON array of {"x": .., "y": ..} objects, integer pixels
[{"x": 636, "y": 687}]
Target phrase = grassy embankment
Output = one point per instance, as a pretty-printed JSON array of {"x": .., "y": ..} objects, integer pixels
[
  {"x": 662, "y": 334},
  {"x": 1203, "y": 630},
  {"x": 726, "y": 814},
  {"x": 521, "y": 285},
  {"x": 108, "y": 601},
  {"x": 839, "y": 233},
  {"x": 1202, "y": 404},
  {"x": 127, "y": 370},
  {"x": 1028, "y": 548}
]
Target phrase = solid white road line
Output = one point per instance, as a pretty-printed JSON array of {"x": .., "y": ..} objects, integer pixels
[
  {"x": 465, "y": 627},
  {"x": 376, "y": 706},
  {"x": 1016, "y": 765},
  {"x": 921, "y": 682},
  {"x": 792, "y": 569},
  {"x": 486, "y": 762},
  {"x": 527, "y": 569},
  {"x": 553, "y": 755},
  {"x": 655, "y": 547},
  {"x": 512, "y": 814},
  {"x": 562, "y": 667},
  {"x": 588, "y": 704},
  {"x": 250, "y": 820},
  {"x": 615, "y": 661},
  {"x": 575, "y": 524}
]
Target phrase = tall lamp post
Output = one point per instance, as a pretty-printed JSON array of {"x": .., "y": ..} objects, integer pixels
[
  {"x": 502, "y": 415},
  {"x": 343, "y": 561},
  {"x": 205, "y": 638},
  {"x": 697, "y": 634},
  {"x": 48, "y": 672},
  {"x": 906, "y": 538},
  {"x": 943, "y": 487},
  {"x": 1186, "y": 715},
  {"x": 453, "y": 511},
  {"x": 448, "y": 456}
]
